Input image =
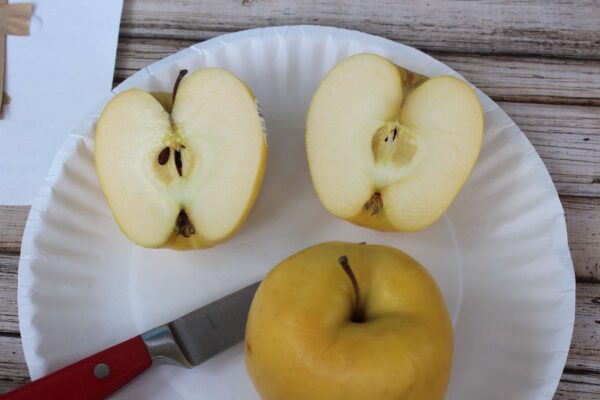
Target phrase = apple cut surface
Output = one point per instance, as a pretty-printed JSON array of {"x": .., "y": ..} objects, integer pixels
[
  {"x": 188, "y": 178},
  {"x": 389, "y": 149}
]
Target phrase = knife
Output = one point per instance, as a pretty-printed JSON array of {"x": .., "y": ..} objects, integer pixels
[{"x": 187, "y": 341}]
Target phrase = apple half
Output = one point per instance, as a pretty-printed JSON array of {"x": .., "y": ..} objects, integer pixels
[
  {"x": 389, "y": 149},
  {"x": 182, "y": 171}
]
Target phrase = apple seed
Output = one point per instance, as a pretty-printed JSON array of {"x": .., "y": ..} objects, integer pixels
[
  {"x": 178, "y": 162},
  {"x": 163, "y": 156}
]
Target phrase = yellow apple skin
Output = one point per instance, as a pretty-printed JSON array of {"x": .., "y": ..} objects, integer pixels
[{"x": 301, "y": 342}]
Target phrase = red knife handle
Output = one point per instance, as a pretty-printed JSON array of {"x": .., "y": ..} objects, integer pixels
[{"x": 93, "y": 378}]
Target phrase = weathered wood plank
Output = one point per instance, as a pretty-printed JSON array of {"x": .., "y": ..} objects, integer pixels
[
  {"x": 583, "y": 225},
  {"x": 505, "y": 78},
  {"x": 12, "y": 223},
  {"x": 9, "y": 319},
  {"x": 583, "y": 222},
  {"x": 580, "y": 381},
  {"x": 578, "y": 385},
  {"x": 584, "y": 359},
  {"x": 585, "y": 345},
  {"x": 530, "y": 79},
  {"x": 568, "y": 140},
  {"x": 582, "y": 214},
  {"x": 13, "y": 370},
  {"x": 553, "y": 29},
  {"x": 134, "y": 53}
]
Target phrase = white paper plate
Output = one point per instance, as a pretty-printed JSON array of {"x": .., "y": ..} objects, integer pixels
[{"x": 500, "y": 253}]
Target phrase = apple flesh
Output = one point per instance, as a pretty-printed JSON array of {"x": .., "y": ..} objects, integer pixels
[
  {"x": 389, "y": 149},
  {"x": 311, "y": 334},
  {"x": 182, "y": 171}
]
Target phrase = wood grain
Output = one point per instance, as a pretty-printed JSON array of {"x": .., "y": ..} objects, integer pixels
[
  {"x": 568, "y": 140},
  {"x": 9, "y": 319},
  {"x": 582, "y": 214},
  {"x": 502, "y": 77},
  {"x": 540, "y": 59},
  {"x": 12, "y": 220},
  {"x": 13, "y": 370},
  {"x": 583, "y": 222},
  {"x": 585, "y": 345},
  {"x": 583, "y": 226},
  {"x": 578, "y": 385},
  {"x": 529, "y": 79},
  {"x": 557, "y": 28}
]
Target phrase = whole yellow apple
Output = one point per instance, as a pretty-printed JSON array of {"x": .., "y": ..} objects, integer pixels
[{"x": 349, "y": 321}]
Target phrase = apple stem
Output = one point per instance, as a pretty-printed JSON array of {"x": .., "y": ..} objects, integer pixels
[
  {"x": 357, "y": 315},
  {"x": 178, "y": 81}
]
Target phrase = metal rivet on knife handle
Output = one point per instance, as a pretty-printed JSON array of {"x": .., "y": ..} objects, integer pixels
[{"x": 101, "y": 371}]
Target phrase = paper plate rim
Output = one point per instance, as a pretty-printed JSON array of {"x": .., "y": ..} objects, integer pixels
[{"x": 26, "y": 278}]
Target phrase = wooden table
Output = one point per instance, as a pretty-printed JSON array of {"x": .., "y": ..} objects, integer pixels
[{"x": 539, "y": 59}]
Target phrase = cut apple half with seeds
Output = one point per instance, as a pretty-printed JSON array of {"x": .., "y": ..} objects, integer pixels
[
  {"x": 390, "y": 149},
  {"x": 182, "y": 169}
]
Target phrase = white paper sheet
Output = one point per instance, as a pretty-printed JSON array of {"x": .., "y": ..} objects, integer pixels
[{"x": 54, "y": 77}]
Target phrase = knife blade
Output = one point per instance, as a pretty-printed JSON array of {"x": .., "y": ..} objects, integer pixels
[
  {"x": 188, "y": 341},
  {"x": 204, "y": 332}
]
